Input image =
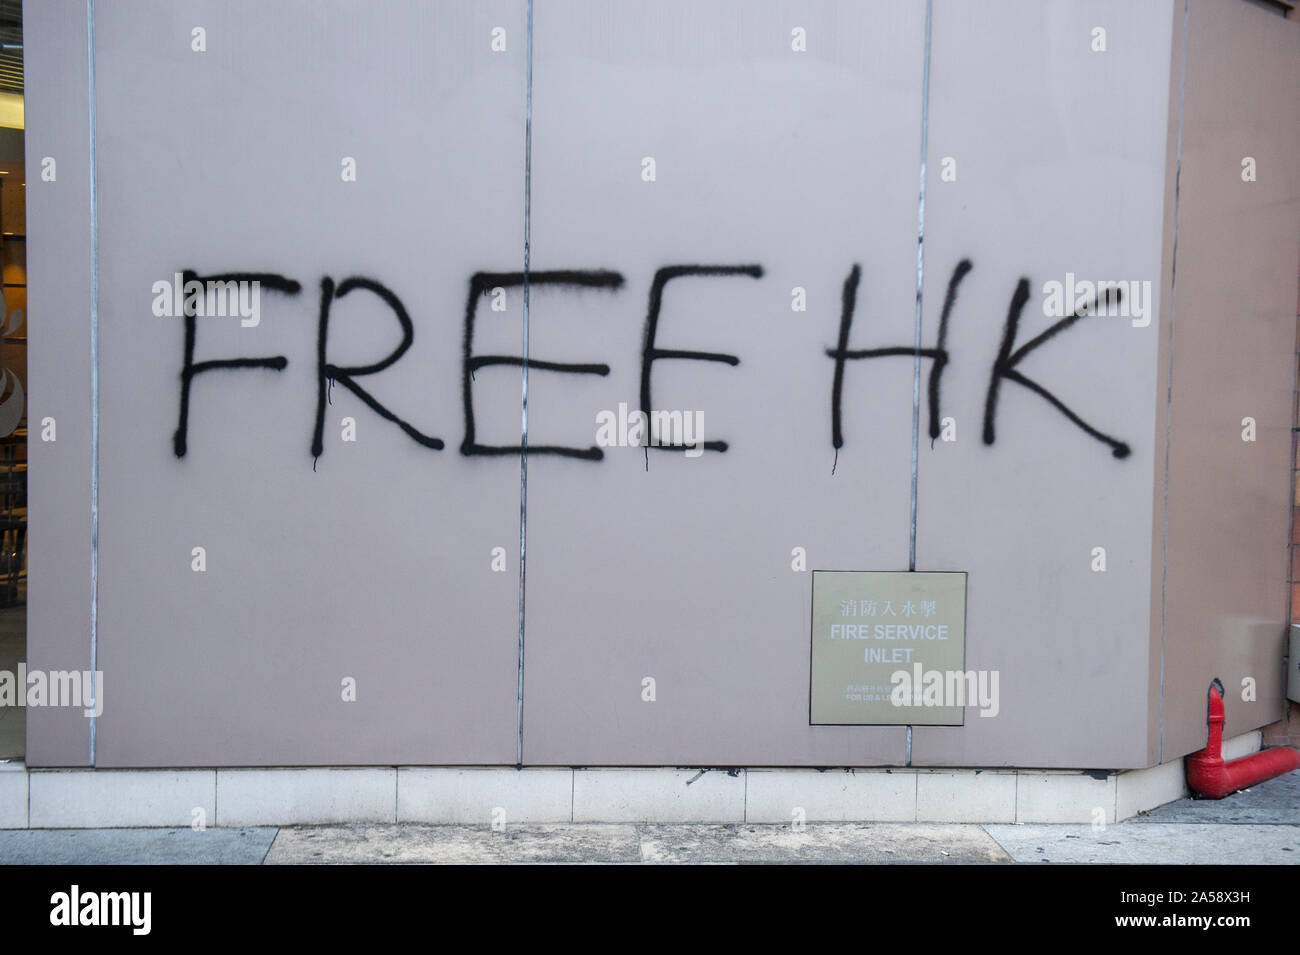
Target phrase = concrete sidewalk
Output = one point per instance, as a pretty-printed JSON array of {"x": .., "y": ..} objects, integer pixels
[{"x": 1256, "y": 826}]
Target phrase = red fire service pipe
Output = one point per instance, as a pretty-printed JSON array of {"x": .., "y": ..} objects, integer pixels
[{"x": 1208, "y": 774}]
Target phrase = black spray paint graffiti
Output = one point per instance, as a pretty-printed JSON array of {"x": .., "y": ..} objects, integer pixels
[
  {"x": 479, "y": 284},
  {"x": 651, "y": 352},
  {"x": 1004, "y": 366},
  {"x": 327, "y": 373},
  {"x": 190, "y": 368}
]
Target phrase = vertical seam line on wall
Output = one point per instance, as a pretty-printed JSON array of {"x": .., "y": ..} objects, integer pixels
[
  {"x": 920, "y": 286},
  {"x": 94, "y": 371},
  {"x": 920, "y": 280},
  {"x": 1291, "y": 476},
  {"x": 1169, "y": 387},
  {"x": 523, "y": 408},
  {"x": 1290, "y": 494}
]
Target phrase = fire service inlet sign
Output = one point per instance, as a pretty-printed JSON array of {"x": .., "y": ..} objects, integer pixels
[{"x": 889, "y": 648}]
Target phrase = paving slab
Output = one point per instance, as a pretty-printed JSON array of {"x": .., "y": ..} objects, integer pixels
[
  {"x": 134, "y": 846},
  {"x": 1127, "y": 843},
  {"x": 454, "y": 844},
  {"x": 841, "y": 843},
  {"x": 636, "y": 843},
  {"x": 1153, "y": 843}
]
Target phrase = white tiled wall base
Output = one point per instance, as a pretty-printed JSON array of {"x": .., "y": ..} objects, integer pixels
[
  {"x": 82, "y": 798},
  {"x": 484, "y": 796},
  {"x": 836, "y": 795},
  {"x": 280, "y": 797},
  {"x": 1059, "y": 796},
  {"x": 664, "y": 795},
  {"x": 1143, "y": 789},
  {"x": 966, "y": 795},
  {"x": 85, "y": 798}
]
